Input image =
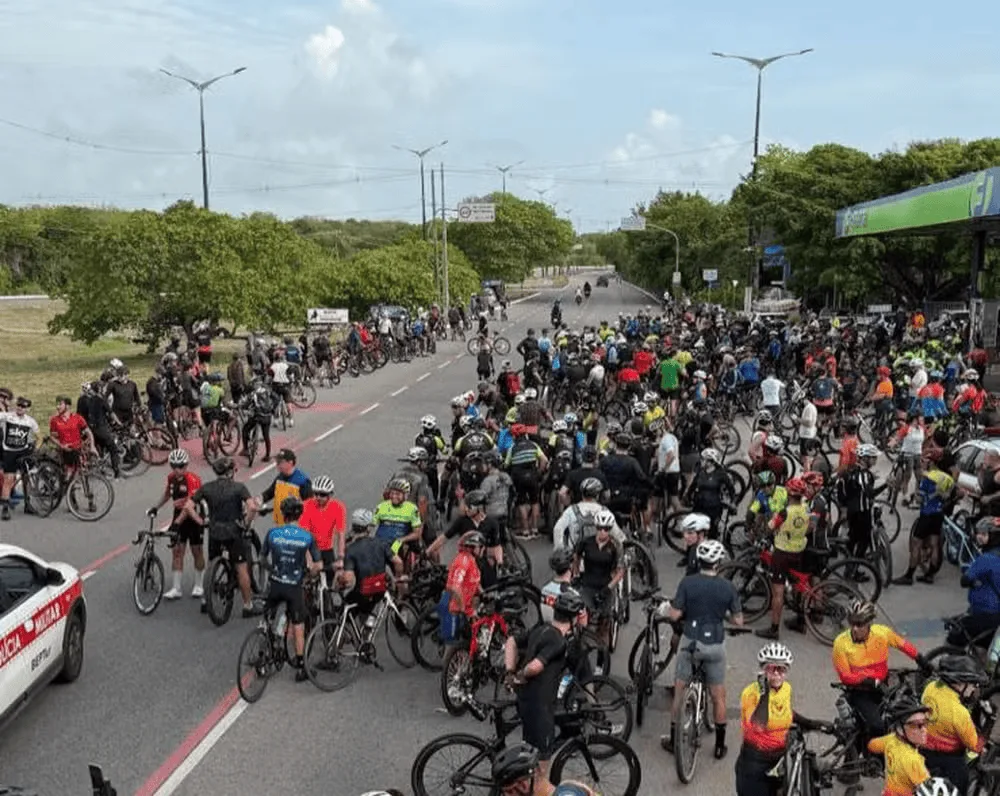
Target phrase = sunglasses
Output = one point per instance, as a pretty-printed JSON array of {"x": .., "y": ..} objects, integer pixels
[
  {"x": 919, "y": 724},
  {"x": 775, "y": 668},
  {"x": 177, "y": 466}
]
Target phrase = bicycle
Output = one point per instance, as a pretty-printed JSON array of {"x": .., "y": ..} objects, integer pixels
[
  {"x": 149, "y": 574},
  {"x": 694, "y": 717},
  {"x": 644, "y": 662},
  {"x": 84, "y": 488},
  {"x": 337, "y": 646},
  {"x": 266, "y": 659},
  {"x": 221, "y": 437},
  {"x": 499, "y": 343},
  {"x": 221, "y": 582}
]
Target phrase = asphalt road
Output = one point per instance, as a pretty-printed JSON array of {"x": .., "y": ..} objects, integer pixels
[{"x": 155, "y": 705}]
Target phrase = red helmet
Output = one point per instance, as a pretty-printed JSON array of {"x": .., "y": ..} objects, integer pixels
[
  {"x": 883, "y": 372},
  {"x": 813, "y": 478},
  {"x": 795, "y": 487}
]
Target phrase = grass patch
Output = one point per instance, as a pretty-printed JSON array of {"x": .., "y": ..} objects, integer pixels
[{"x": 41, "y": 366}]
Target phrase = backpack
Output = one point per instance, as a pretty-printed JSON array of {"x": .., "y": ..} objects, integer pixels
[
  {"x": 205, "y": 394},
  {"x": 586, "y": 524}
]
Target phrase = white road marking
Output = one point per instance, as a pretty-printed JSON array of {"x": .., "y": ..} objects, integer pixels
[
  {"x": 425, "y": 376},
  {"x": 458, "y": 357},
  {"x": 328, "y": 432},
  {"x": 443, "y": 365},
  {"x": 89, "y": 574},
  {"x": 400, "y": 391},
  {"x": 176, "y": 779},
  {"x": 261, "y": 472},
  {"x": 370, "y": 408}
]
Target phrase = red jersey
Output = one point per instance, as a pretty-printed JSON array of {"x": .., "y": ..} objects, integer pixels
[
  {"x": 324, "y": 523},
  {"x": 628, "y": 375},
  {"x": 181, "y": 487},
  {"x": 644, "y": 361},
  {"x": 464, "y": 577},
  {"x": 68, "y": 430}
]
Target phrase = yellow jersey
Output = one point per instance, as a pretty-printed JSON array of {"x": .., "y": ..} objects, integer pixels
[
  {"x": 950, "y": 727},
  {"x": 654, "y": 414},
  {"x": 905, "y": 768},
  {"x": 767, "y": 733},
  {"x": 792, "y": 533}
]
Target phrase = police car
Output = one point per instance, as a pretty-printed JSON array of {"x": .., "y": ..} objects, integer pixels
[{"x": 43, "y": 617}]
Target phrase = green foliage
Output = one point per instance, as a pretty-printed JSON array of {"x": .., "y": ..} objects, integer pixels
[
  {"x": 526, "y": 235},
  {"x": 345, "y": 238}
]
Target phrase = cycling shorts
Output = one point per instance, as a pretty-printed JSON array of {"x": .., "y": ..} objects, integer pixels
[
  {"x": 292, "y": 596},
  {"x": 188, "y": 531},
  {"x": 12, "y": 460},
  {"x": 782, "y": 564},
  {"x": 237, "y": 549},
  {"x": 527, "y": 485},
  {"x": 711, "y": 657}
]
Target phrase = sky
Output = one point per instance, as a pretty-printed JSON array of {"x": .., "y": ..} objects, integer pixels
[{"x": 598, "y": 104}]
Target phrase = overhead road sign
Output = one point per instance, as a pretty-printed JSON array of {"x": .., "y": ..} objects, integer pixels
[
  {"x": 324, "y": 316},
  {"x": 633, "y": 224},
  {"x": 477, "y": 212}
]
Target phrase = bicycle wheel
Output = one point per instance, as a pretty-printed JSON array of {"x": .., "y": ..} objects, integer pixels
[
  {"x": 614, "y": 618},
  {"x": 253, "y": 442},
  {"x": 147, "y": 584},
  {"x": 643, "y": 682},
  {"x": 891, "y": 520},
  {"x": 735, "y": 538},
  {"x": 398, "y": 632},
  {"x": 254, "y": 665},
  {"x": 642, "y": 569},
  {"x": 220, "y": 591},
  {"x": 501, "y": 345},
  {"x": 256, "y": 566},
  {"x": 428, "y": 647},
  {"x": 670, "y": 531},
  {"x": 472, "y": 346},
  {"x": 686, "y": 737},
  {"x": 516, "y": 559},
  {"x": 131, "y": 458},
  {"x": 332, "y": 655},
  {"x": 44, "y": 487},
  {"x": 157, "y": 446},
  {"x": 728, "y": 441},
  {"x": 456, "y": 763},
  {"x": 658, "y": 667},
  {"x": 882, "y": 551},
  {"x": 89, "y": 496},
  {"x": 826, "y": 608},
  {"x": 862, "y": 576},
  {"x": 605, "y": 764},
  {"x": 303, "y": 395},
  {"x": 752, "y": 586},
  {"x": 607, "y": 704},
  {"x": 457, "y": 681}
]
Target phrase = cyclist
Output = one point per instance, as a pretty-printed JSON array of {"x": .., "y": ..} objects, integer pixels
[
  {"x": 69, "y": 431},
  {"x": 790, "y": 525},
  {"x": 577, "y": 522},
  {"x": 982, "y": 579},
  {"x": 951, "y": 733},
  {"x": 362, "y": 580},
  {"x": 259, "y": 409},
  {"x": 289, "y": 482},
  {"x": 19, "y": 432},
  {"x": 294, "y": 555},
  {"x": 526, "y": 462},
  {"x": 861, "y": 659},
  {"x": 710, "y": 489},
  {"x": 704, "y": 601},
  {"x": 464, "y": 582},
  {"x": 396, "y": 519},
  {"x": 856, "y": 491},
  {"x": 561, "y": 563},
  {"x": 326, "y": 519},
  {"x": 694, "y": 529},
  {"x": 474, "y": 518},
  {"x": 431, "y": 439},
  {"x": 542, "y": 655},
  {"x": 598, "y": 560},
  {"x": 281, "y": 382},
  {"x": 935, "y": 489},
  {"x": 226, "y": 508},
  {"x": 181, "y": 485},
  {"x": 906, "y": 770}
]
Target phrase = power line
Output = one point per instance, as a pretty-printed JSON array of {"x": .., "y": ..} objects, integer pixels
[{"x": 69, "y": 139}]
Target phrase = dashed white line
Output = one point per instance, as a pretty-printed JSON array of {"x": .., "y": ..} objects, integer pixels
[
  {"x": 370, "y": 408},
  {"x": 88, "y": 574},
  {"x": 263, "y": 470},
  {"x": 458, "y": 357},
  {"x": 425, "y": 376},
  {"x": 400, "y": 391},
  {"x": 328, "y": 432},
  {"x": 443, "y": 365}
]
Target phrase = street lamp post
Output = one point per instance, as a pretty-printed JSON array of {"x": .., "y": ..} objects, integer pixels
[
  {"x": 421, "y": 153},
  {"x": 760, "y": 64},
  {"x": 200, "y": 88},
  {"x": 641, "y": 224},
  {"x": 541, "y": 193},
  {"x": 503, "y": 171}
]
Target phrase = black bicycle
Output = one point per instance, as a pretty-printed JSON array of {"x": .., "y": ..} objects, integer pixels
[
  {"x": 649, "y": 657},
  {"x": 221, "y": 582},
  {"x": 148, "y": 580}
]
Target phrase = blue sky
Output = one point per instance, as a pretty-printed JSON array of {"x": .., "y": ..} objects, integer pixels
[{"x": 603, "y": 102}]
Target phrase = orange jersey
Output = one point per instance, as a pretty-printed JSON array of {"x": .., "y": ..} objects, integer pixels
[
  {"x": 766, "y": 733},
  {"x": 884, "y": 389},
  {"x": 950, "y": 728},
  {"x": 856, "y": 662},
  {"x": 905, "y": 768}
]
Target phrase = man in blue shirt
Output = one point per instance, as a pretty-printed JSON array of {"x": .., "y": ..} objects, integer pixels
[
  {"x": 982, "y": 579},
  {"x": 293, "y": 553}
]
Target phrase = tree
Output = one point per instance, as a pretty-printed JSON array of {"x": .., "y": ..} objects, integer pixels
[{"x": 525, "y": 235}]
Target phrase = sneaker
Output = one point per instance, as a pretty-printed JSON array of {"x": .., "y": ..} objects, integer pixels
[
  {"x": 771, "y": 634},
  {"x": 902, "y": 580},
  {"x": 721, "y": 751},
  {"x": 173, "y": 594},
  {"x": 5, "y": 512},
  {"x": 300, "y": 675},
  {"x": 796, "y": 623},
  {"x": 667, "y": 744},
  {"x": 197, "y": 590},
  {"x": 253, "y": 610},
  {"x": 925, "y": 578}
]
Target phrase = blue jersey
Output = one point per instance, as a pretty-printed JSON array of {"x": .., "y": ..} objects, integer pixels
[
  {"x": 293, "y": 354},
  {"x": 750, "y": 371},
  {"x": 505, "y": 441},
  {"x": 287, "y": 546},
  {"x": 985, "y": 599}
]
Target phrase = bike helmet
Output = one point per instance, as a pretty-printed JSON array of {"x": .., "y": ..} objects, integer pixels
[
  {"x": 322, "y": 486},
  {"x": 796, "y": 487},
  {"x": 867, "y": 451},
  {"x": 650, "y": 398},
  {"x": 514, "y": 764},
  {"x": 814, "y": 479},
  {"x": 591, "y": 487},
  {"x": 361, "y": 518},
  {"x": 571, "y": 419},
  {"x": 774, "y": 443},
  {"x": 639, "y": 408},
  {"x": 291, "y": 508},
  {"x": 695, "y": 523},
  {"x": 712, "y": 455},
  {"x": 476, "y": 497},
  {"x": 765, "y": 478},
  {"x": 897, "y": 712},
  {"x": 568, "y": 604},
  {"x": 531, "y": 393},
  {"x": 458, "y": 402},
  {"x": 417, "y": 453},
  {"x": 604, "y": 519},
  {"x": 571, "y": 789},
  {"x": 178, "y": 458},
  {"x": 862, "y": 612},
  {"x": 465, "y": 422},
  {"x": 519, "y": 399},
  {"x": 559, "y": 426},
  {"x": 959, "y": 669},
  {"x": 710, "y": 552},
  {"x": 398, "y": 485},
  {"x": 935, "y": 786},
  {"x": 428, "y": 422},
  {"x": 614, "y": 428},
  {"x": 988, "y": 525},
  {"x": 700, "y": 374},
  {"x": 971, "y": 375},
  {"x": 223, "y": 466},
  {"x": 561, "y": 560},
  {"x": 764, "y": 417},
  {"x": 472, "y": 539},
  {"x": 775, "y": 652}
]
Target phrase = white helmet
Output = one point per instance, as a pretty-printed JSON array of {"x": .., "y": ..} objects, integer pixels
[
  {"x": 710, "y": 552},
  {"x": 428, "y": 422},
  {"x": 700, "y": 374},
  {"x": 418, "y": 453},
  {"x": 639, "y": 408},
  {"x": 774, "y": 443},
  {"x": 116, "y": 363},
  {"x": 323, "y": 485},
  {"x": 361, "y": 518},
  {"x": 695, "y": 523},
  {"x": 774, "y": 652},
  {"x": 764, "y": 416},
  {"x": 531, "y": 393},
  {"x": 458, "y": 402},
  {"x": 971, "y": 375},
  {"x": 935, "y": 786},
  {"x": 712, "y": 455},
  {"x": 917, "y": 363},
  {"x": 867, "y": 451},
  {"x": 604, "y": 519},
  {"x": 650, "y": 398},
  {"x": 559, "y": 426},
  {"x": 178, "y": 457},
  {"x": 519, "y": 399}
]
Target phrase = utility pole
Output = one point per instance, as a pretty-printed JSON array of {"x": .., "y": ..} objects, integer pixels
[
  {"x": 444, "y": 244},
  {"x": 200, "y": 88},
  {"x": 421, "y": 153},
  {"x": 437, "y": 268}
]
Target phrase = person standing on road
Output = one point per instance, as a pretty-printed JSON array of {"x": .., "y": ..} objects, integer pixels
[
  {"x": 704, "y": 601},
  {"x": 289, "y": 482},
  {"x": 259, "y": 412},
  {"x": 93, "y": 407},
  {"x": 181, "y": 486},
  {"x": 20, "y": 431},
  {"x": 906, "y": 721},
  {"x": 326, "y": 519},
  {"x": 69, "y": 430},
  {"x": 856, "y": 492}
]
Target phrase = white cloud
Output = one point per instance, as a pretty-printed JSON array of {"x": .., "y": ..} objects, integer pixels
[
  {"x": 660, "y": 120},
  {"x": 324, "y": 48}
]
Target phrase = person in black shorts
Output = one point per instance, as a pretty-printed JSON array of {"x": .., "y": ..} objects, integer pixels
[
  {"x": 366, "y": 558},
  {"x": 475, "y": 519},
  {"x": 181, "y": 487}
]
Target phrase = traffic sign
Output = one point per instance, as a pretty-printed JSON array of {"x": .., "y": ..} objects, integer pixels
[
  {"x": 477, "y": 212},
  {"x": 677, "y": 277},
  {"x": 710, "y": 274},
  {"x": 323, "y": 316},
  {"x": 879, "y": 309},
  {"x": 633, "y": 224}
]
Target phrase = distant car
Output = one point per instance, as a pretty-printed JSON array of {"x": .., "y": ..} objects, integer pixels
[
  {"x": 602, "y": 280},
  {"x": 43, "y": 618}
]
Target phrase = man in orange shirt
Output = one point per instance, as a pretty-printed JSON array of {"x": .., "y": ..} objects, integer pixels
[{"x": 326, "y": 519}]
